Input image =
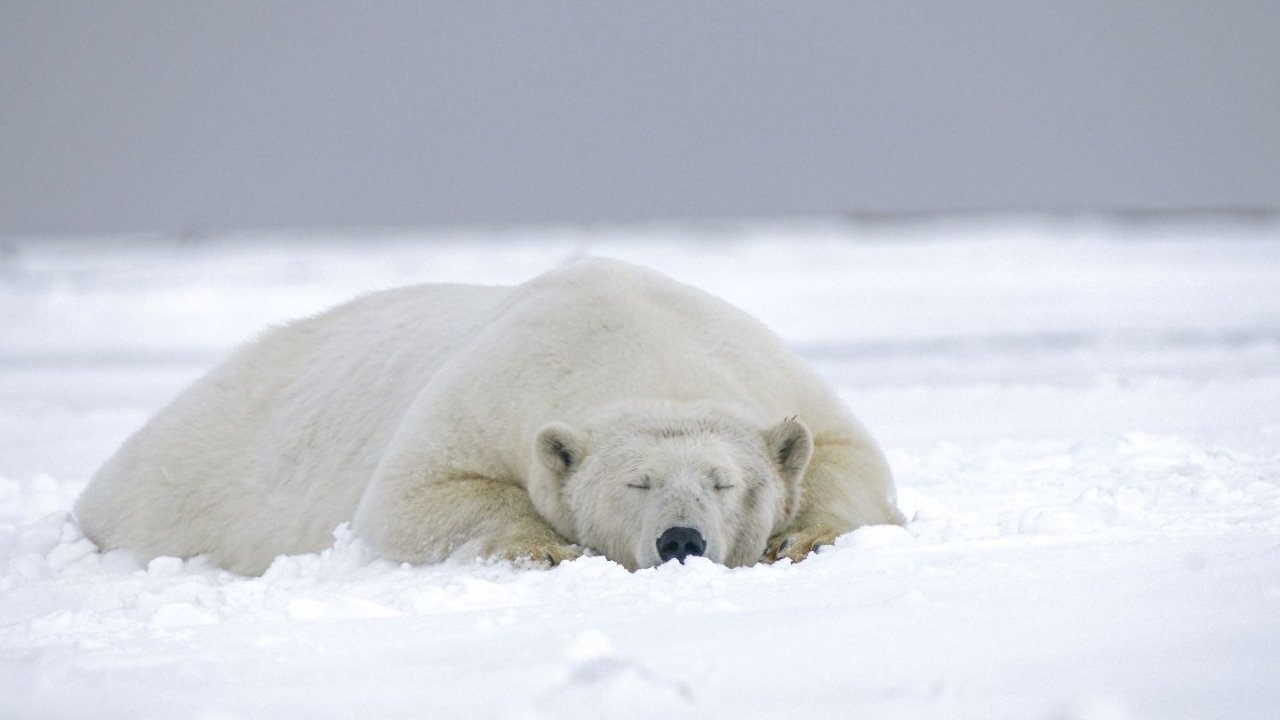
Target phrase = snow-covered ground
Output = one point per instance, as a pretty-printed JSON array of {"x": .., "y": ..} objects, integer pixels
[{"x": 1084, "y": 420}]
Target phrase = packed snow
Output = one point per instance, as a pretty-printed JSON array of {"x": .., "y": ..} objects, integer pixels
[{"x": 1083, "y": 418}]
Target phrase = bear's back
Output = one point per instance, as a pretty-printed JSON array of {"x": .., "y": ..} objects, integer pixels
[{"x": 600, "y": 332}]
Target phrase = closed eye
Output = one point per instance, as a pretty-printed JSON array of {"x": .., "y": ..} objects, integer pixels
[
  {"x": 641, "y": 484},
  {"x": 720, "y": 482}
]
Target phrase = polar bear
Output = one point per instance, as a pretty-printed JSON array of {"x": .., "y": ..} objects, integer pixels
[{"x": 599, "y": 406}]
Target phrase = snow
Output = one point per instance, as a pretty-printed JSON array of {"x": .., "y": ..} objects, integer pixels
[{"x": 1083, "y": 417}]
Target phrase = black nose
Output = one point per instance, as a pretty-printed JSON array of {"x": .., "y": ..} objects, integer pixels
[{"x": 680, "y": 543}]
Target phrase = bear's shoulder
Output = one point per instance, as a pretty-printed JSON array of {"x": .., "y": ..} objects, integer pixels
[
  {"x": 598, "y": 273},
  {"x": 598, "y": 285}
]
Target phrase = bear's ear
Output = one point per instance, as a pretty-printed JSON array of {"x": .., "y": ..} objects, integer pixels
[
  {"x": 560, "y": 448},
  {"x": 790, "y": 446}
]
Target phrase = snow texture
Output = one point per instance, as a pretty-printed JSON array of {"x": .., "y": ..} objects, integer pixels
[{"x": 1083, "y": 417}]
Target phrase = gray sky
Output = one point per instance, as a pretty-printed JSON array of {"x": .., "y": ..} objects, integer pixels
[{"x": 174, "y": 116}]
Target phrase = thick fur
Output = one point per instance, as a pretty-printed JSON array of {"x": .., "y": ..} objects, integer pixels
[{"x": 593, "y": 407}]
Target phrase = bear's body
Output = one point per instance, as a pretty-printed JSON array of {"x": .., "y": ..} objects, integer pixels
[{"x": 598, "y": 405}]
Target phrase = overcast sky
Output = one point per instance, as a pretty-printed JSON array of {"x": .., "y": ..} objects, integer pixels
[{"x": 172, "y": 116}]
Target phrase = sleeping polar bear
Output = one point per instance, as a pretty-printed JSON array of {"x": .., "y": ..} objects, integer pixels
[{"x": 599, "y": 406}]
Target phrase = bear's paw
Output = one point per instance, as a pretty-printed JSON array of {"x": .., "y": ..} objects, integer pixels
[
  {"x": 540, "y": 553},
  {"x": 797, "y": 545}
]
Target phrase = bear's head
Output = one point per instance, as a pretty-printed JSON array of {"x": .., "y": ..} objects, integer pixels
[{"x": 643, "y": 488}]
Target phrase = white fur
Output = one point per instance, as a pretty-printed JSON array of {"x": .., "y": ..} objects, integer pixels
[{"x": 440, "y": 418}]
